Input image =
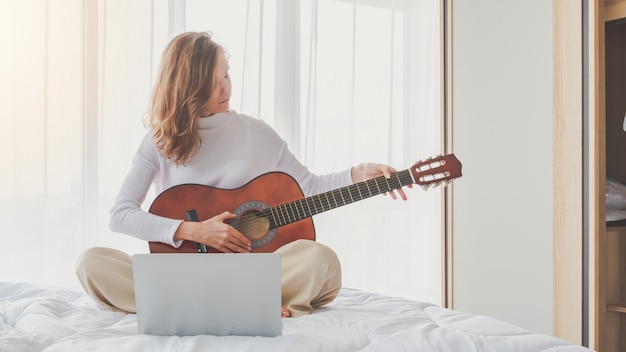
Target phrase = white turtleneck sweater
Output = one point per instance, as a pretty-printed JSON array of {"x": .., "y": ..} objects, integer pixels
[{"x": 235, "y": 149}]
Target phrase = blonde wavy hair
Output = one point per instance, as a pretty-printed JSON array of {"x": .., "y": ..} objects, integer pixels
[{"x": 183, "y": 86}]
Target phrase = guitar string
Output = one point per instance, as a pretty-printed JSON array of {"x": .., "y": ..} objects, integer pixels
[
  {"x": 402, "y": 178},
  {"x": 325, "y": 205}
]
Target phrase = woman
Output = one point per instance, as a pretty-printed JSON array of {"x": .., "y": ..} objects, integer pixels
[{"x": 195, "y": 138}]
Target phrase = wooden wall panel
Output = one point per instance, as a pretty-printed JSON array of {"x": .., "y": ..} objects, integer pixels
[{"x": 567, "y": 176}]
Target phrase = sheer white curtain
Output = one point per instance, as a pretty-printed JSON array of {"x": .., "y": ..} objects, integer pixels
[
  {"x": 41, "y": 138},
  {"x": 76, "y": 76},
  {"x": 342, "y": 81}
]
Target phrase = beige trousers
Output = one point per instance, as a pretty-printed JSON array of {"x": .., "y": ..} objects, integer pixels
[{"x": 311, "y": 277}]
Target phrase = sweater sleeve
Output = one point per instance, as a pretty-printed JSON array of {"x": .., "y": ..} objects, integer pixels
[
  {"x": 311, "y": 183},
  {"x": 127, "y": 216}
]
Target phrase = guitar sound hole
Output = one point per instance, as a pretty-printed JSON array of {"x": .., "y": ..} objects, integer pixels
[{"x": 252, "y": 225}]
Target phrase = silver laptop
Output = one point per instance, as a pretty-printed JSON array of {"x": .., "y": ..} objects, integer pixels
[{"x": 208, "y": 294}]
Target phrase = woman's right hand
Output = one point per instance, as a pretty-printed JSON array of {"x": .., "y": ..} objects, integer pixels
[{"x": 215, "y": 233}]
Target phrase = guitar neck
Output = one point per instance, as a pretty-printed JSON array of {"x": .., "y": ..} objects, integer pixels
[{"x": 300, "y": 209}]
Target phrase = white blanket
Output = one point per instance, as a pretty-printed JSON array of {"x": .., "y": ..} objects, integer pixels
[{"x": 35, "y": 318}]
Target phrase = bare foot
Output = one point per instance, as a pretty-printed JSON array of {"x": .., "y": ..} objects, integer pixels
[{"x": 285, "y": 313}]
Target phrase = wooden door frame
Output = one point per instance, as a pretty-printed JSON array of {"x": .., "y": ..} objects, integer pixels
[{"x": 446, "y": 128}]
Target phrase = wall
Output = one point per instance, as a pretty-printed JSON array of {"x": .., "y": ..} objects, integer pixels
[{"x": 502, "y": 117}]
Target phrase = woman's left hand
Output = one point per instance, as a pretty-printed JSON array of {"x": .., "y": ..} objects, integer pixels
[{"x": 367, "y": 171}]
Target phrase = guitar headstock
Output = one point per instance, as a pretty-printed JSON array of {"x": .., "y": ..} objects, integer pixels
[{"x": 434, "y": 171}]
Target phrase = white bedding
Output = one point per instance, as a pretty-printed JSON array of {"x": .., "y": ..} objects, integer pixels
[{"x": 35, "y": 318}]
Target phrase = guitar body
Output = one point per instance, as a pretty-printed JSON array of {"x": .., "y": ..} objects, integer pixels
[{"x": 265, "y": 191}]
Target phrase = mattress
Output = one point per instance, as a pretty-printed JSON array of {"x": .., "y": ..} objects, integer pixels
[{"x": 38, "y": 318}]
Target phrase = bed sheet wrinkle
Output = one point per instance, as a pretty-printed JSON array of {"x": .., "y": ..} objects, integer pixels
[
  {"x": 381, "y": 317},
  {"x": 472, "y": 323},
  {"x": 295, "y": 341},
  {"x": 433, "y": 338},
  {"x": 531, "y": 342},
  {"x": 36, "y": 317},
  {"x": 19, "y": 344},
  {"x": 500, "y": 335}
]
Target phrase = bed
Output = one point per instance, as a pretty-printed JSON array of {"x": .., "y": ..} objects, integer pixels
[{"x": 52, "y": 319}]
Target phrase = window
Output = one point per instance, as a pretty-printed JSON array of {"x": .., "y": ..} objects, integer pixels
[{"x": 343, "y": 82}]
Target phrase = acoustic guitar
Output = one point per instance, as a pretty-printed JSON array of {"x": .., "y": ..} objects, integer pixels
[{"x": 272, "y": 211}]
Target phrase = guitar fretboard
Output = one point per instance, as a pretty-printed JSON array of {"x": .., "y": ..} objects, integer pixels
[{"x": 300, "y": 209}]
